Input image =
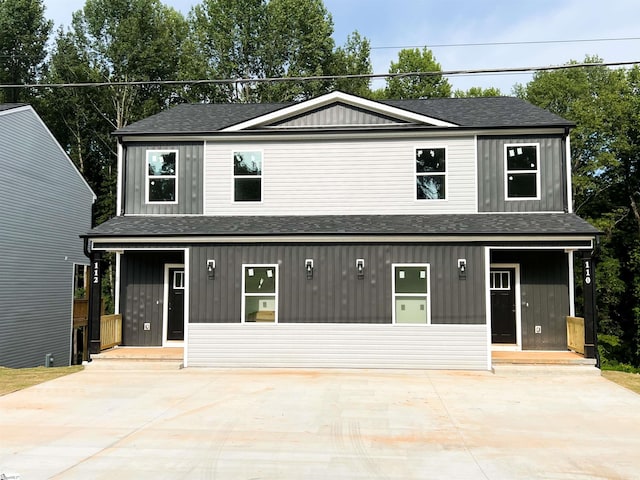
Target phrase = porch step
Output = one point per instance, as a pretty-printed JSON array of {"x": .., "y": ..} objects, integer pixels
[
  {"x": 138, "y": 358},
  {"x": 132, "y": 364},
  {"x": 542, "y": 363}
]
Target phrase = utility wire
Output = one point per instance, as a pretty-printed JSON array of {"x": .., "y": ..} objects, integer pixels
[
  {"x": 446, "y": 73},
  {"x": 486, "y": 44}
]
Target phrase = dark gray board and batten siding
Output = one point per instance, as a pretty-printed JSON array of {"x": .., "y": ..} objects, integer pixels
[
  {"x": 190, "y": 179},
  {"x": 335, "y": 294},
  {"x": 142, "y": 294},
  {"x": 544, "y": 289},
  {"x": 491, "y": 175},
  {"x": 46, "y": 205}
]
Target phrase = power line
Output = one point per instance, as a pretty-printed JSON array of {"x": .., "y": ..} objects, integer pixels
[
  {"x": 493, "y": 44},
  {"x": 445, "y": 73}
]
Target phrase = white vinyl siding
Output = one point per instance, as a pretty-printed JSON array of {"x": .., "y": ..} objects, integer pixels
[
  {"x": 338, "y": 346},
  {"x": 333, "y": 177}
]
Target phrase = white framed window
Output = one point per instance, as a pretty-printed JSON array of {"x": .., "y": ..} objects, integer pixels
[
  {"x": 178, "y": 280},
  {"x": 431, "y": 173},
  {"x": 411, "y": 293},
  {"x": 247, "y": 176},
  {"x": 260, "y": 293},
  {"x": 162, "y": 176},
  {"x": 522, "y": 171},
  {"x": 500, "y": 280}
]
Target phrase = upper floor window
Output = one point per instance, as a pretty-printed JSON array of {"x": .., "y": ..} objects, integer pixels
[
  {"x": 162, "y": 176},
  {"x": 431, "y": 173},
  {"x": 247, "y": 176},
  {"x": 522, "y": 171}
]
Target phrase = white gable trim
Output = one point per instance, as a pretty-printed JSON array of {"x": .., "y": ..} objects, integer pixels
[{"x": 333, "y": 97}]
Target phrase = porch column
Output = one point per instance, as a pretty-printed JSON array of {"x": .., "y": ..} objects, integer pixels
[
  {"x": 95, "y": 302},
  {"x": 589, "y": 293}
]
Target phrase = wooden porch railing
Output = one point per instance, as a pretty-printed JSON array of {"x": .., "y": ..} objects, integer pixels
[
  {"x": 110, "y": 331},
  {"x": 575, "y": 334}
]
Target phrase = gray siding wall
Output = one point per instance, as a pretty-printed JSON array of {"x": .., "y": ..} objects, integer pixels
[
  {"x": 491, "y": 175},
  {"x": 142, "y": 295},
  {"x": 544, "y": 286},
  {"x": 46, "y": 205},
  {"x": 335, "y": 294},
  {"x": 334, "y": 176},
  {"x": 338, "y": 346},
  {"x": 337, "y": 115},
  {"x": 190, "y": 179}
]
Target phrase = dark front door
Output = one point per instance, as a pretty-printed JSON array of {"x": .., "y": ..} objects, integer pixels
[
  {"x": 503, "y": 305},
  {"x": 175, "y": 310}
]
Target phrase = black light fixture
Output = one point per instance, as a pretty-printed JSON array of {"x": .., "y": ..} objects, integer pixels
[
  {"x": 462, "y": 268},
  {"x": 308, "y": 267},
  {"x": 360, "y": 267},
  {"x": 211, "y": 269}
]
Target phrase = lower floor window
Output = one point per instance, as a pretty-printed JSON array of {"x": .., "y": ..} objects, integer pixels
[
  {"x": 411, "y": 300},
  {"x": 260, "y": 293}
]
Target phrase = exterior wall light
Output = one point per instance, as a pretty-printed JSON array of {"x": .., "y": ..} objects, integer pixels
[
  {"x": 211, "y": 269},
  {"x": 462, "y": 268},
  {"x": 360, "y": 267},
  {"x": 308, "y": 267}
]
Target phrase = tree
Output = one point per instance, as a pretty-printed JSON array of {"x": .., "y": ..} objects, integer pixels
[
  {"x": 605, "y": 151},
  {"x": 23, "y": 36},
  {"x": 353, "y": 59},
  {"x": 478, "y": 92},
  {"x": 416, "y": 86}
]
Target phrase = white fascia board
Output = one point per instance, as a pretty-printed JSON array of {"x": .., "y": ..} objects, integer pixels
[
  {"x": 569, "y": 242},
  {"x": 338, "y": 97}
]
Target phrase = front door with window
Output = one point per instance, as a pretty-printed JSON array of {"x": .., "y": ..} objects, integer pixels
[
  {"x": 503, "y": 305},
  {"x": 175, "y": 304}
]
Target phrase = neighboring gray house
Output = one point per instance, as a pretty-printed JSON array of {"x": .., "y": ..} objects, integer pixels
[
  {"x": 345, "y": 232},
  {"x": 46, "y": 205}
]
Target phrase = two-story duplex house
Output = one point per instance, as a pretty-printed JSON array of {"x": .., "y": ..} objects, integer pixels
[{"x": 345, "y": 232}]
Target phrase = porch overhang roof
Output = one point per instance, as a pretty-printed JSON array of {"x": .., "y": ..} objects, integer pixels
[{"x": 534, "y": 225}]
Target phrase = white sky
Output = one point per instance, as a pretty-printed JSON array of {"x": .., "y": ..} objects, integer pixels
[{"x": 416, "y": 23}]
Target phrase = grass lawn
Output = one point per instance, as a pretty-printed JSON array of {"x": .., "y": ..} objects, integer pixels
[
  {"x": 627, "y": 380},
  {"x": 13, "y": 379}
]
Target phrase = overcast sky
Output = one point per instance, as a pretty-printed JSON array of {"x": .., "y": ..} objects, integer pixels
[{"x": 393, "y": 24}]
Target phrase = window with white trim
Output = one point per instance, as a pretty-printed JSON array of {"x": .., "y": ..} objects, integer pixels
[
  {"x": 260, "y": 293},
  {"x": 522, "y": 171},
  {"x": 247, "y": 176},
  {"x": 411, "y": 293},
  {"x": 500, "y": 280},
  {"x": 431, "y": 173},
  {"x": 178, "y": 280},
  {"x": 162, "y": 176}
]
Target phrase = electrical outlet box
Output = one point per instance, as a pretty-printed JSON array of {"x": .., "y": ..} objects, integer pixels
[
  {"x": 147, "y": 326},
  {"x": 538, "y": 329}
]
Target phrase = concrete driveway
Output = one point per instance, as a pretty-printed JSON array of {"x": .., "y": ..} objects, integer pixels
[{"x": 551, "y": 423}]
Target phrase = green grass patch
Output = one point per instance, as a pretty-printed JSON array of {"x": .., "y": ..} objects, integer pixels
[
  {"x": 14, "y": 379},
  {"x": 627, "y": 380}
]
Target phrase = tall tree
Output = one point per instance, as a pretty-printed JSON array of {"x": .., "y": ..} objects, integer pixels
[
  {"x": 24, "y": 32},
  {"x": 353, "y": 59},
  {"x": 416, "y": 86},
  {"x": 605, "y": 150}
]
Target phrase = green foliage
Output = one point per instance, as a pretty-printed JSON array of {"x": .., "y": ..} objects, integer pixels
[
  {"x": 23, "y": 36},
  {"x": 478, "y": 92},
  {"x": 416, "y": 86},
  {"x": 605, "y": 149},
  {"x": 353, "y": 59}
]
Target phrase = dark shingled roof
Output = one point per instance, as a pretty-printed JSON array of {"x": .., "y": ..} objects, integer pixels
[
  {"x": 481, "y": 112},
  {"x": 10, "y": 106},
  {"x": 532, "y": 224}
]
